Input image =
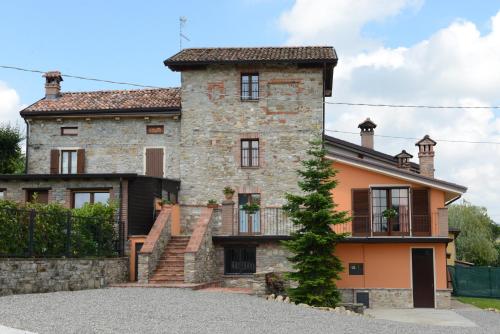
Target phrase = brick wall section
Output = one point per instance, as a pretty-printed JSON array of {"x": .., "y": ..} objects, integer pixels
[
  {"x": 154, "y": 245},
  {"x": 199, "y": 258},
  {"x": 214, "y": 120},
  {"x": 109, "y": 155},
  {"x": 50, "y": 275}
]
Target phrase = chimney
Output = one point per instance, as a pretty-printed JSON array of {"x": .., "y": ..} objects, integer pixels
[
  {"x": 426, "y": 156},
  {"x": 367, "y": 133},
  {"x": 404, "y": 160},
  {"x": 52, "y": 84}
]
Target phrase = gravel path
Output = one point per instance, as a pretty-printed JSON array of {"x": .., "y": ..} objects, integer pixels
[{"x": 136, "y": 310}]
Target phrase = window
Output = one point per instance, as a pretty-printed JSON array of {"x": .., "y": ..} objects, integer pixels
[
  {"x": 68, "y": 162},
  {"x": 356, "y": 269},
  {"x": 92, "y": 197},
  {"x": 248, "y": 223},
  {"x": 154, "y": 129},
  {"x": 69, "y": 131},
  {"x": 40, "y": 196},
  {"x": 2, "y": 194},
  {"x": 239, "y": 260},
  {"x": 249, "y": 153},
  {"x": 385, "y": 220},
  {"x": 250, "y": 86}
]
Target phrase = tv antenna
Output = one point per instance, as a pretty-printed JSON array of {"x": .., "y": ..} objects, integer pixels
[{"x": 182, "y": 23}]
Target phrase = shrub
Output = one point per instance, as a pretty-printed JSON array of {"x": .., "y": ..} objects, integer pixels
[{"x": 275, "y": 283}]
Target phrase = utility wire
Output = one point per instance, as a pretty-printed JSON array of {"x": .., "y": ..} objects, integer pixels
[
  {"x": 414, "y": 138},
  {"x": 260, "y": 98}
]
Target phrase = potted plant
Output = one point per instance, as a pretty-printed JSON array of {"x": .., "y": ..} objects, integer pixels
[
  {"x": 212, "y": 204},
  {"x": 251, "y": 208},
  {"x": 167, "y": 203},
  {"x": 390, "y": 213},
  {"x": 228, "y": 192}
]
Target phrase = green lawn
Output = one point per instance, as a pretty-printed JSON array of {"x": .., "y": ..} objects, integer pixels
[{"x": 481, "y": 302}]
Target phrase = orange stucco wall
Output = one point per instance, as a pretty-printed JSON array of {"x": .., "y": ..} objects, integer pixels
[
  {"x": 386, "y": 265},
  {"x": 350, "y": 177}
]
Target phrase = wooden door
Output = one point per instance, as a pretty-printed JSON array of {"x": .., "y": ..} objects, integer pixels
[
  {"x": 423, "y": 277},
  {"x": 154, "y": 162}
]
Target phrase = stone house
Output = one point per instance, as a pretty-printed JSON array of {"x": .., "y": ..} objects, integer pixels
[{"x": 242, "y": 118}]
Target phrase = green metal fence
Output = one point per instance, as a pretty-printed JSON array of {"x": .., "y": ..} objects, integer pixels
[{"x": 475, "y": 281}]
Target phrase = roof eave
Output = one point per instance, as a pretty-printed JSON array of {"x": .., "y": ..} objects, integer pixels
[{"x": 166, "y": 111}]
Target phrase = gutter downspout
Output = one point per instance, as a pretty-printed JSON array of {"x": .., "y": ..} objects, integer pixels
[
  {"x": 323, "y": 126},
  {"x": 120, "y": 222},
  {"x": 27, "y": 145}
]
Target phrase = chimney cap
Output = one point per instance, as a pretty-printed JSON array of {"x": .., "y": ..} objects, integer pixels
[
  {"x": 425, "y": 141},
  {"x": 53, "y": 75},
  {"x": 404, "y": 154},
  {"x": 367, "y": 124}
]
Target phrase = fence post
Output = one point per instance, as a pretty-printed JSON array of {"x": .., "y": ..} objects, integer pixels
[
  {"x": 68, "y": 235},
  {"x": 31, "y": 231},
  {"x": 99, "y": 237},
  {"x": 490, "y": 281}
]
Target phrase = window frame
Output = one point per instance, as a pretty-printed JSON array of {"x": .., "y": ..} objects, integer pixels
[
  {"x": 250, "y": 83},
  {"x": 69, "y": 128},
  {"x": 2, "y": 193},
  {"x": 251, "y": 156},
  {"x": 250, "y": 249},
  {"x": 91, "y": 192},
  {"x": 388, "y": 197},
  {"x": 70, "y": 161}
]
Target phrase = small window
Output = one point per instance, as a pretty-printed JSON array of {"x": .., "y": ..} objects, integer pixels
[
  {"x": 250, "y": 86},
  {"x": 68, "y": 162},
  {"x": 69, "y": 131},
  {"x": 356, "y": 269},
  {"x": 40, "y": 196},
  {"x": 2, "y": 194},
  {"x": 92, "y": 197},
  {"x": 249, "y": 153},
  {"x": 154, "y": 129},
  {"x": 239, "y": 260}
]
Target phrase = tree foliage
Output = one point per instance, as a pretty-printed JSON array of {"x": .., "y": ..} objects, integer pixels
[
  {"x": 313, "y": 245},
  {"x": 478, "y": 234},
  {"x": 11, "y": 156}
]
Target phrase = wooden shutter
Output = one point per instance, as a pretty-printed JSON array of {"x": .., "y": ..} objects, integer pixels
[
  {"x": 80, "y": 161},
  {"x": 361, "y": 211},
  {"x": 421, "y": 223},
  {"x": 54, "y": 162},
  {"x": 154, "y": 162}
]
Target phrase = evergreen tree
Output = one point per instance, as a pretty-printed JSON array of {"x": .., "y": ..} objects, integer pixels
[{"x": 313, "y": 244}]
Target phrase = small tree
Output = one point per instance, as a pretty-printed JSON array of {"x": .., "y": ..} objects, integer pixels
[
  {"x": 313, "y": 245},
  {"x": 11, "y": 156}
]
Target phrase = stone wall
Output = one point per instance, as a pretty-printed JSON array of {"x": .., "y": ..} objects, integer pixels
[
  {"x": 199, "y": 258},
  {"x": 103, "y": 140},
  {"x": 49, "y": 275},
  {"x": 214, "y": 120}
]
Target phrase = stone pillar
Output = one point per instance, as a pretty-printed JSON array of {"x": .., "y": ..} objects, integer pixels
[
  {"x": 227, "y": 217},
  {"x": 443, "y": 222}
]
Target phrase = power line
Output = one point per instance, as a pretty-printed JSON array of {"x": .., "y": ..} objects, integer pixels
[
  {"x": 80, "y": 77},
  {"x": 261, "y": 98},
  {"x": 414, "y": 138}
]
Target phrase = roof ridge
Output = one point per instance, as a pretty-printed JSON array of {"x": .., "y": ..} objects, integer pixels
[
  {"x": 122, "y": 90},
  {"x": 258, "y": 47}
]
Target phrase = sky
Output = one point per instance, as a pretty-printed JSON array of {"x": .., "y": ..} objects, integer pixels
[{"x": 442, "y": 52}]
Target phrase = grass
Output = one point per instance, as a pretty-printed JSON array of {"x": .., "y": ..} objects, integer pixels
[{"x": 481, "y": 302}]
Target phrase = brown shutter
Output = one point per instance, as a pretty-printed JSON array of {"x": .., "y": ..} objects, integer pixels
[
  {"x": 80, "y": 161},
  {"x": 154, "y": 162},
  {"x": 421, "y": 223},
  {"x": 54, "y": 162},
  {"x": 361, "y": 211}
]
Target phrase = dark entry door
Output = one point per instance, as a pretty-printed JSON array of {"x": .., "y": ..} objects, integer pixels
[{"x": 423, "y": 277}]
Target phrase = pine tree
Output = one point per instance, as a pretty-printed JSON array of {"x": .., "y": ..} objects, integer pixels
[{"x": 313, "y": 244}]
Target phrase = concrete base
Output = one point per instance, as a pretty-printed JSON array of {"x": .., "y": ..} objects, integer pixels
[{"x": 423, "y": 316}]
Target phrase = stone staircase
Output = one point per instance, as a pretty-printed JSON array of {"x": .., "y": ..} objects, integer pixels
[{"x": 170, "y": 269}]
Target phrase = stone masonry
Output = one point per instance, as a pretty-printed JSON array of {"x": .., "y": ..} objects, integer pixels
[
  {"x": 49, "y": 275},
  {"x": 111, "y": 146}
]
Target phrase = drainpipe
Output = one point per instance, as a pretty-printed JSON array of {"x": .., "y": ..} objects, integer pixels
[
  {"x": 120, "y": 222},
  {"x": 27, "y": 143},
  {"x": 324, "y": 78}
]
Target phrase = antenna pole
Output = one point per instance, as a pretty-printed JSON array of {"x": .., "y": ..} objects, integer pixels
[{"x": 182, "y": 23}]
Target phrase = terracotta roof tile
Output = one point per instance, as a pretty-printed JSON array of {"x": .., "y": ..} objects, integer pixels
[
  {"x": 168, "y": 98},
  {"x": 307, "y": 54}
]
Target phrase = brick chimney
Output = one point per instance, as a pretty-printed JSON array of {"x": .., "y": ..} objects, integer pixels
[
  {"x": 367, "y": 133},
  {"x": 426, "y": 155},
  {"x": 404, "y": 160},
  {"x": 52, "y": 84}
]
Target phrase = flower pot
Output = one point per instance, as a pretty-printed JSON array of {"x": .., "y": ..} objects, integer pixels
[{"x": 229, "y": 196}]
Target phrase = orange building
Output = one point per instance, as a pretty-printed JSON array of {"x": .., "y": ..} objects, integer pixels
[{"x": 395, "y": 253}]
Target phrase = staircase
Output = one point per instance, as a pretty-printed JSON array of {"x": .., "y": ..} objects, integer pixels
[{"x": 170, "y": 269}]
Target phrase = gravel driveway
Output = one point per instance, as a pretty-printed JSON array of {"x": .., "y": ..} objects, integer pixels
[{"x": 136, "y": 310}]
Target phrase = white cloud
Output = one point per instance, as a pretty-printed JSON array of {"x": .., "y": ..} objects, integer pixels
[
  {"x": 454, "y": 66},
  {"x": 9, "y": 106}
]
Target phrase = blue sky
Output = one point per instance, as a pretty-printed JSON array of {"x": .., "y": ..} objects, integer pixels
[
  {"x": 128, "y": 40},
  {"x": 391, "y": 51}
]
